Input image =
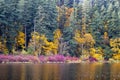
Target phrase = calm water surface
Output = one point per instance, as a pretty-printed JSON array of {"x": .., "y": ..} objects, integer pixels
[{"x": 81, "y": 71}]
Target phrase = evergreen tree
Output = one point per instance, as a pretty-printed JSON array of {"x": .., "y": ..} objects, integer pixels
[
  {"x": 9, "y": 22},
  {"x": 45, "y": 20}
]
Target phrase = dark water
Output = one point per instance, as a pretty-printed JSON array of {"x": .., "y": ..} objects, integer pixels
[{"x": 83, "y": 71}]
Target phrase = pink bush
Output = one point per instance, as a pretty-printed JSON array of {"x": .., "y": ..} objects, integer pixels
[
  {"x": 56, "y": 58},
  {"x": 34, "y": 59},
  {"x": 18, "y": 58},
  {"x": 71, "y": 58}
]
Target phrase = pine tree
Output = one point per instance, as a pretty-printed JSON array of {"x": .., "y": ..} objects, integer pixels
[{"x": 45, "y": 20}]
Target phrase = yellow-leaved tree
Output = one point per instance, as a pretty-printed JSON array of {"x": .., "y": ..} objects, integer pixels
[
  {"x": 52, "y": 47},
  {"x": 85, "y": 41},
  {"x": 39, "y": 44},
  {"x": 57, "y": 36},
  {"x": 47, "y": 46},
  {"x": 3, "y": 48},
  {"x": 80, "y": 40},
  {"x": 115, "y": 47},
  {"x": 105, "y": 35},
  {"x": 20, "y": 40},
  {"x": 35, "y": 44},
  {"x": 106, "y": 38},
  {"x": 96, "y": 53},
  {"x": 89, "y": 41}
]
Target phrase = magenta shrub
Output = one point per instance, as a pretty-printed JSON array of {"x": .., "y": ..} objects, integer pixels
[
  {"x": 56, "y": 58},
  {"x": 18, "y": 58},
  {"x": 34, "y": 59}
]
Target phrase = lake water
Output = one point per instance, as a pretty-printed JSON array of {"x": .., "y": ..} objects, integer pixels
[{"x": 64, "y": 71}]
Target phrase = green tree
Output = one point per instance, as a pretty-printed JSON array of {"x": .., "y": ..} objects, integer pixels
[
  {"x": 8, "y": 22},
  {"x": 45, "y": 19}
]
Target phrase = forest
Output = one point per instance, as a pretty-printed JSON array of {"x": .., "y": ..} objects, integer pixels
[{"x": 80, "y": 28}]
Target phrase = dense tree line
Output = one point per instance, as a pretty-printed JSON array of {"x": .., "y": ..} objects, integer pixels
[{"x": 95, "y": 19}]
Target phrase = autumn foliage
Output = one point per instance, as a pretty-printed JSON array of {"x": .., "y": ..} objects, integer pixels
[
  {"x": 85, "y": 41},
  {"x": 67, "y": 12},
  {"x": 115, "y": 47},
  {"x": 40, "y": 44},
  {"x": 20, "y": 40}
]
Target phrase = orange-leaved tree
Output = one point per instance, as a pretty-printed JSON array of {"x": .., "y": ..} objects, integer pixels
[
  {"x": 64, "y": 15},
  {"x": 68, "y": 13}
]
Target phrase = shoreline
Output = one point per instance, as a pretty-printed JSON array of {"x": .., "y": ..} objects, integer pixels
[
  {"x": 13, "y": 59},
  {"x": 70, "y": 62}
]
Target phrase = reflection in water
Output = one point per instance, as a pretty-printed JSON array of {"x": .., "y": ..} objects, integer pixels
[
  {"x": 115, "y": 71},
  {"x": 83, "y": 71}
]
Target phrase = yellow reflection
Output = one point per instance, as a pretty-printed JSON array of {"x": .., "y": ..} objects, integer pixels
[
  {"x": 87, "y": 71},
  {"x": 46, "y": 72},
  {"x": 23, "y": 71},
  {"x": 56, "y": 72},
  {"x": 115, "y": 71},
  {"x": 36, "y": 72}
]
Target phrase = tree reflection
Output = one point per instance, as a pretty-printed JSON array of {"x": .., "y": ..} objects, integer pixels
[{"x": 53, "y": 71}]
